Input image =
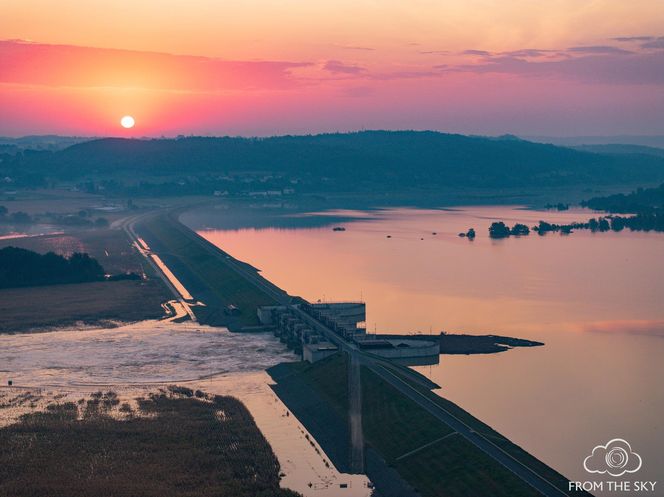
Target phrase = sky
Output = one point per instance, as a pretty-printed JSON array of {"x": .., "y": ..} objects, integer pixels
[{"x": 265, "y": 67}]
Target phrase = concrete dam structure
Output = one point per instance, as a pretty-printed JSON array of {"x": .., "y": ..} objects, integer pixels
[{"x": 303, "y": 327}]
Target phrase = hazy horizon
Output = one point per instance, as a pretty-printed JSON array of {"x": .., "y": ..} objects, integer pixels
[{"x": 526, "y": 137}]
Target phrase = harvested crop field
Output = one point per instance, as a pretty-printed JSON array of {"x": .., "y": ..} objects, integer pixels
[{"x": 51, "y": 306}]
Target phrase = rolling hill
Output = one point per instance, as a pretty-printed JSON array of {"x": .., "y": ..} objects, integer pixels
[{"x": 354, "y": 161}]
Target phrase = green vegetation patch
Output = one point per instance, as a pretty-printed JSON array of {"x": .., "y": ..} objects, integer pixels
[
  {"x": 455, "y": 467},
  {"x": 179, "y": 446},
  {"x": 393, "y": 423},
  {"x": 425, "y": 451},
  {"x": 330, "y": 378},
  {"x": 504, "y": 443}
]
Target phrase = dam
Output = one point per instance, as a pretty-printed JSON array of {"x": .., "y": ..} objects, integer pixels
[{"x": 304, "y": 328}]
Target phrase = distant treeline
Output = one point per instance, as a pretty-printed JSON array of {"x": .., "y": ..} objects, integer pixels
[
  {"x": 20, "y": 267},
  {"x": 645, "y": 204},
  {"x": 639, "y": 201},
  {"x": 391, "y": 160},
  {"x": 646, "y": 221}
]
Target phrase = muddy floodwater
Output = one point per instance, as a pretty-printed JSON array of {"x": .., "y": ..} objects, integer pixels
[
  {"x": 141, "y": 358},
  {"x": 595, "y": 299}
]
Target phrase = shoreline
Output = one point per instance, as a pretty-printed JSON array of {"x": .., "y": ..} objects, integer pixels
[
  {"x": 463, "y": 344},
  {"x": 303, "y": 460}
]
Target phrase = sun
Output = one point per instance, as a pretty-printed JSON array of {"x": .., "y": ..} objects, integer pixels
[{"x": 127, "y": 122}]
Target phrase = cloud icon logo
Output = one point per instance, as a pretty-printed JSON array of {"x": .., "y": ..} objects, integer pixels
[{"x": 615, "y": 458}]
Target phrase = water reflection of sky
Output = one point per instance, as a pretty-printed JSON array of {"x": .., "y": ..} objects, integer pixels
[{"x": 595, "y": 299}]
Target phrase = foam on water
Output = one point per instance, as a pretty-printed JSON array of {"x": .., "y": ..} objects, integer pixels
[
  {"x": 139, "y": 359},
  {"x": 140, "y": 353}
]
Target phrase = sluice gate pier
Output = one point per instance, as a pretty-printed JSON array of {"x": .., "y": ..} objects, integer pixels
[{"x": 316, "y": 330}]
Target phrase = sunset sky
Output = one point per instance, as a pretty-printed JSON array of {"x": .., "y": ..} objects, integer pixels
[{"x": 260, "y": 67}]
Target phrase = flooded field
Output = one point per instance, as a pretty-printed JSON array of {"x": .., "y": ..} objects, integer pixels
[{"x": 136, "y": 360}]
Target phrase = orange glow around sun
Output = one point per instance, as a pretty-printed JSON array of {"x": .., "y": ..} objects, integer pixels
[{"x": 467, "y": 66}]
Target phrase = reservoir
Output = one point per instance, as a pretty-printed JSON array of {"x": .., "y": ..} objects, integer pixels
[{"x": 595, "y": 299}]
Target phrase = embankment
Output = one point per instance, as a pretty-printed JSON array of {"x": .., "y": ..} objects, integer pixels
[
  {"x": 230, "y": 289},
  {"x": 409, "y": 452}
]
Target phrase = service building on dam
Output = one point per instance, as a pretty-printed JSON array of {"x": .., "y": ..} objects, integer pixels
[{"x": 314, "y": 330}]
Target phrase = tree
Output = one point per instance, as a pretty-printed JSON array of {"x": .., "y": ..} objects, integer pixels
[
  {"x": 499, "y": 230},
  {"x": 20, "y": 267},
  {"x": 593, "y": 225},
  {"x": 617, "y": 223},
  {"x": 520, "y": 229}
]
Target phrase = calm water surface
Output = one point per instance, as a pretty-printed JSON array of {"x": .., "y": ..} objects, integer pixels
[{"x": 596, "y": 300}]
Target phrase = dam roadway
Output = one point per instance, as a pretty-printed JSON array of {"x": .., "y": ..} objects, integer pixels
[{"x": 402, "y": 379}]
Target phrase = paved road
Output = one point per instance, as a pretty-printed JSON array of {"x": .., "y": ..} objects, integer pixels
[
  {"x": 127, "y": 224},
  {"x": 536, "y": 481},
  {"x": 355, "y": 415}
]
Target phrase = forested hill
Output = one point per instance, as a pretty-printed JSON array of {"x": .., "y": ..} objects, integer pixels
[{"x": 371, "y": 159}]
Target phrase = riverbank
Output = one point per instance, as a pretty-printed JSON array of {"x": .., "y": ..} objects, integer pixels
[
  {"x": 451, "y": 343},
  {"x": 144, "y": 359},
  {"x": 409, "y": 452}
]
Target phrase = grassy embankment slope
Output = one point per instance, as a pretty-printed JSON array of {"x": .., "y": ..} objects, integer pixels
[
  {"x": 401, "y": 431},
  {"x": 206, "y": 273},
  {"x": 174, "y": 445},
  {"x": 53, "y": 306}
]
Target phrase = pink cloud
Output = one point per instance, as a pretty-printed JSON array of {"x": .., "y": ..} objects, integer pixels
[
  {"x": 82, "y": 90},
  {"x": 338, "y": 67},
  {"x": 599, "y": 50},
  {"x": 74, "y": 66},
  {"x": 625, "y": 69},
  {"x": 654, "y": 43}
]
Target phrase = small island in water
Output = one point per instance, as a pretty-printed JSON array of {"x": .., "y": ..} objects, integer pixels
[{"x": 452, "y": 343}]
